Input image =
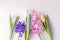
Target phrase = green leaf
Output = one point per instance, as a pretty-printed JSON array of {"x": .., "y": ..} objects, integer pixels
[
  {"x": 28, "y": 27},
  {"x": 17, "y": 18},
  {"x": 12, "y": 26},
  {"x": 48, "y": 28},
  {"x": 11, "y": 23}
]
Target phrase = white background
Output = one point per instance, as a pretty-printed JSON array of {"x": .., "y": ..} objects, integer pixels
[{"x": 49, "y": 7}]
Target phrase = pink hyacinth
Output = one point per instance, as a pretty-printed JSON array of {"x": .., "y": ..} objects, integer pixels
[{"x": 36, "y": 23}]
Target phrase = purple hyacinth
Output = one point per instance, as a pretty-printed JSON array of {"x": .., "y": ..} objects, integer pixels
[{"x": 20, "y": 28}]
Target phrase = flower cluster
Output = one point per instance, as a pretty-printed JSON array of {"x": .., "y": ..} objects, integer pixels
[
  {"x": 36, "y": 23},
  {"x": 20, "y": 28},
  {"x": 39, "y": 24}
]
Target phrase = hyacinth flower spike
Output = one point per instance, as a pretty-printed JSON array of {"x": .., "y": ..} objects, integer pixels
[
  {"x": 36, "y": 24},
  {"x": 20, "y": 28},
  {"x": 46, "y": 25},
  {"x": 27, "y": 33},
  {"x": 12, "y": 25}
]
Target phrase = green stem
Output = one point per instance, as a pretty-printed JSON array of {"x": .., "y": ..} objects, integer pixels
[
  {"x": 40, "y": 37},
  {"x": 25, "y": 36},
  {"x": 11, "y": 35}
]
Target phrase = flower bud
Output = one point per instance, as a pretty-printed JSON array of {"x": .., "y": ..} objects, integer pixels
[{"x": 43, "y": 19}]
